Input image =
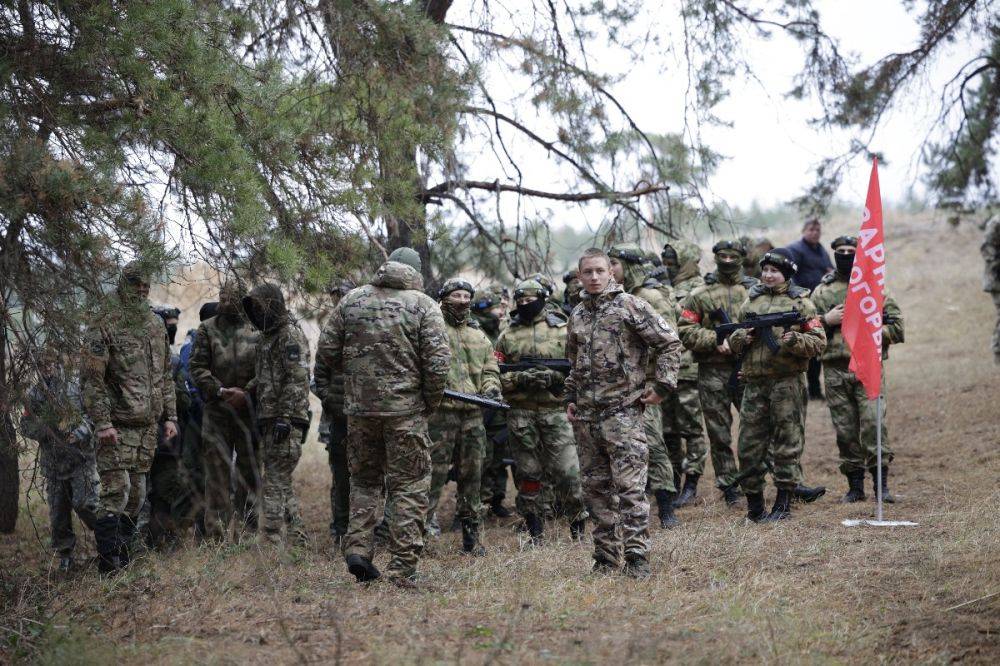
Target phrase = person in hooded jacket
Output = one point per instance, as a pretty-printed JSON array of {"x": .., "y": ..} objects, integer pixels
[
  {"x": 541, "y": 440},
  {"x": 280, "y": 390},
  {"x": 221, "y": 367},
  {"x": 388, "y": 340},
  {"x": 628, "y": 268}
]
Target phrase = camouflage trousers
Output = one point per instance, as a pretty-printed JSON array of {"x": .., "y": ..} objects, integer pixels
[
  {"x": 717, "y": 398},
  {"x": 661, "y": 471},
  {"x": 225, "y": 431},
  {"x": 122, "y": 468},
  {"x": 854, "y": 419},
  {"x": 771, "y": 429},
  {"x": 996, "y": 328},
  {"x": 333, "y": 434},
  {"x": 494, "y": 477},
  {"x": 614, "y": 459},
  {"x": 394, "y": 451},
  {"x": 458, "y": 432},
  {"x": 77, "y": 492},
  {"x": 279, "y": 506},
  {"x": 541, "y": 442},
  {"x": 683, "y": 432}
]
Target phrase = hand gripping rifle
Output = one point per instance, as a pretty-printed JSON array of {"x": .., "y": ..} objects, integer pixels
[
  {"x": 475, "y": 399},
  {"x": 761, "y": 322},
  {"x": 562, "y": 365}
]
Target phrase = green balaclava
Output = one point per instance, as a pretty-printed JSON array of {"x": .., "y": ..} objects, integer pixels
[
  {"x": 455, "y": 313},
  {"x": 632, "y": 259},
  {"x": 408, "y": 256},
  {"x": 729, "y": 268}
]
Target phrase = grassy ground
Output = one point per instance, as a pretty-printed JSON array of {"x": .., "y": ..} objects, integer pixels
[{"x": 806, "y": 591}]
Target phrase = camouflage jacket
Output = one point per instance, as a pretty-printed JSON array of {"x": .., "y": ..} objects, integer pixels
[
  {"x": 53, "y": 413},
  {"x": 612, "y": 340},
  {"x": 223, "y": 355},
  {"x": 792, "y": 358},
  {"x": 698, "y": 315},
  {"x": 545, "y": 337},
  {"x": 990, "y": 250},
  {"x": 388, "y": 339},
  {"x": 685, "y": 283},
  {"x": 831, "y": 292},
  {"x": 125, "y": 377},
  {"x": 473, "y": 367},
  {"x": 329, "y": 388},
  {"x": 281, "y": 370}
]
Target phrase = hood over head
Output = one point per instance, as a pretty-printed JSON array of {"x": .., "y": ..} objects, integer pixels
[
  {"x": 265, "y": 307},
  {"x": 396, "y": 275}
]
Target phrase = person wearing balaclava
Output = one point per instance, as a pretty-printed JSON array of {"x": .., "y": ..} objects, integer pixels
[
  {"x": 489, "y": 310},
  {"x": 280, "y": 390},
  {"x": 221, "y": 367},
  {"x": 540, "y": 437},
  {"x": 628, "y": 269},
  {"x": 853, "y": 414},
  {"x": 719, "y": 387},
  {"x": 458, "y": 426},
  {"x": 127, "y": 391},
  {"x": 774, "y": 397},
  {"x": 683, "y": 432}
]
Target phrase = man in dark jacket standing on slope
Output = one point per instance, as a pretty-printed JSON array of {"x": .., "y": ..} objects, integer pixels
[{"x": 813, "y": 262}]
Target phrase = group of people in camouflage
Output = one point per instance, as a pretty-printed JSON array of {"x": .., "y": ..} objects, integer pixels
[{"x": 607, "y": 391}]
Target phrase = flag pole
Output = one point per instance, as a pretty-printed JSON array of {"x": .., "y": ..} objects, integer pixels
[{"x": 878, "y": 456}]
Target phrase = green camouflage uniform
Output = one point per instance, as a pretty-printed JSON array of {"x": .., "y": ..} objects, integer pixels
[
  {"x": 388, "y": 339},
  {"x": 853, "y": 414},
  {"x": 53, "y": 415},
  {"x": 612, "y": 340},
  {"x": 991, "y": 275},
  {"x": 281, "y": 396},
  {"x": 494, "y": 477},
  {"x": 683, "y": 432},
  {"x": 126, "y": 385},
  {"x": 716, "y": 392},
  {"x": 541, "y": 439},
  {"x": 223, "y": 354},
  {"x": 458, "y": 425},
  {"x": 771, "y": 424},
  {"x": 661, "y": 297}
]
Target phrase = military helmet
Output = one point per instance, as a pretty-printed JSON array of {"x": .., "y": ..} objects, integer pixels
[
  {"x": 779, "y": 259},
  {"x": 543, "y": 280},
  {"x": 571, "y": 275},
  {"x": 456, "y": 284},
  {"x": 488, "y": 297},
  {"x": 627, "y": 252},
  {"x": 734, "y": 245},
  {"x": 844, "y": 240},
  {"x": 531, "y": 287}
]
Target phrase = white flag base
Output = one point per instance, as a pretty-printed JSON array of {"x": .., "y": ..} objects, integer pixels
[{"x": 879, "y": 523}]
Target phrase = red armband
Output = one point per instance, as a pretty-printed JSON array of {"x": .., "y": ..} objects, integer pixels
[
  {"x": 691, "y": 316},
  {"x": 499, "y": 356},
  {"x": 811, "y": 324}
]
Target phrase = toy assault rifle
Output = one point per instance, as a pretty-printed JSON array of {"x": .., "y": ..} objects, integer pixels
[
  {"x": 475, "y": 399},
  {"x": 758, "y": 322}
]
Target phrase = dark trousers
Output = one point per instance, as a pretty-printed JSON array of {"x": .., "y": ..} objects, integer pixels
[
  {"x": 813, "y": 375},
  {"x": 340, "y": 490}
]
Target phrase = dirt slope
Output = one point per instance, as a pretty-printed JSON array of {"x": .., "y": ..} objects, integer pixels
[{"x": 807, "y": 591}]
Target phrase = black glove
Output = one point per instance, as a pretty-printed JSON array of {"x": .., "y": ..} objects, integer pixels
[{"x": 282, "y": 429}]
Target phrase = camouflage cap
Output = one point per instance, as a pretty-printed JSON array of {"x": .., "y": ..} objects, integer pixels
[
  {"x": 844, "y": 240},
  {"x": 406, "y": 255},
  {"x": 627, "y": 252},
  {"x": 734, "y": 245},
  {"x": 456, "y": 284},
  {"x": 531, "y": 287}
]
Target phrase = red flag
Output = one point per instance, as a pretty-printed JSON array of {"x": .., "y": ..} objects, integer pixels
[{"x": 862, "y": 324}]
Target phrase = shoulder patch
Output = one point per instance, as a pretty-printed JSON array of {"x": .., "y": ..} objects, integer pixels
[
  {"x": 555, "y": 321},
  {"x": 293, "y": 352}
]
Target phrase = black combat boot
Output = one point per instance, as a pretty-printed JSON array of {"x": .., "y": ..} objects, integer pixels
[
  {"x": 65, "y": 563},
  {"x": 782, "y": 508},
  {"x": 886, "y": 496},
  {"x": 637, "y": 567},
  {"x": 470, "y": 539},
  {"x": 755, "y": 507},
  {"x": 498, "y": 509},
  {"x": 126, "y": 538},
  {"x": 807, "y": 495},
  {"x": 732, "y": 495},
  {"x": 577, "y": 529},
  {"x": 665, "y": 505},
  {"x": 603, "y": 566},
  {"x": 362, "y": 568},
  {"x": 677, "y": 478},
  {"x": 855, "y": 487},
  {"x": 106, "y": 537},
  {"x": 688, "y": 492},
  {"x": 536, "y": 528}
]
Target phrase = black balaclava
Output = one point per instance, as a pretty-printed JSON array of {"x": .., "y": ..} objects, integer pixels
[
  {"x": 844, "y": 263},
  {"x": 530, "y": 310},
  {"x": 171, "y": 333}
]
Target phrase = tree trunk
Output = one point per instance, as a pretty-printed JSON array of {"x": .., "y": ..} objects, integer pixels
[{"x": 10, "y": 489}]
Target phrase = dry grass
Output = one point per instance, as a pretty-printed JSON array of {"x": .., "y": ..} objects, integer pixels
[{"x": 807, "y": 591}]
